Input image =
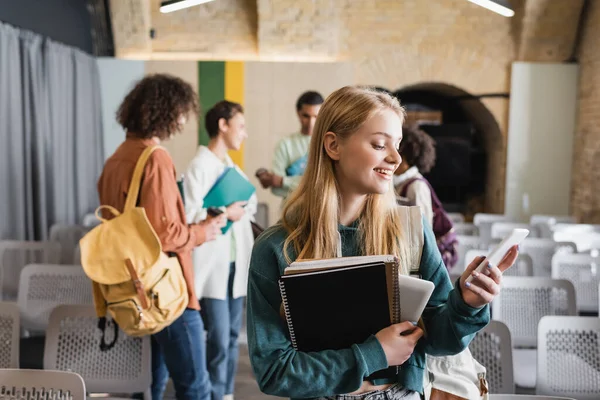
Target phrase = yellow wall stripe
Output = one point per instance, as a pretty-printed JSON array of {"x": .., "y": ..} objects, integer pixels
[{"x": 234, "y": 91}]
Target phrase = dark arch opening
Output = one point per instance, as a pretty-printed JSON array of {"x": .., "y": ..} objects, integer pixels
[{"x": 465, "y": 139}]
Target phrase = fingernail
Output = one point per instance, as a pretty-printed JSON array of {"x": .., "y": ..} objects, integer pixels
[
  {"x": 489, "y": 265},
  {"x": 467, "y": 284}
]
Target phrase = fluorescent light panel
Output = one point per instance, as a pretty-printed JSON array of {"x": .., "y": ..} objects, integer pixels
[
  {"x": 170, "y": 6},
  {"x": 495, "y": 6}
]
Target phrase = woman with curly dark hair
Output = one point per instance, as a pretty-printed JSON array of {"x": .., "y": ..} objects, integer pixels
[
  {"x": 156, "y": 109},
  {"x": 417, "y": 149}
]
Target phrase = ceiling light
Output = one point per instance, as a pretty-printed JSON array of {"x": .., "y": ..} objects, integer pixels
[
  {"x": 498, "y": 6},
  {"x": 176, "y": 5}
]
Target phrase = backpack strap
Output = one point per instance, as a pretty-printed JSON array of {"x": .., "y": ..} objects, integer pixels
[
  {"x": 102, "y": 326},
  {"x": 136, "y": 180},
  {"x": 436, "y": 202},
  {"x": 406, "y": 185},
  {"x": 412, "y": 221}
]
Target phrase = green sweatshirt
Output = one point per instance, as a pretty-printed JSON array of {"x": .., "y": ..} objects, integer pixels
[
  {"x": 282, "y": 371},
  {"x": 289, "y": 150}
]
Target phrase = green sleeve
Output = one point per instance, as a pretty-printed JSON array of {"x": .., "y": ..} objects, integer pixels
[
  {"x": 290, "y": 183},
  {"x": 279, "y": 369},
  {"x": 281, "y": 160},
  {"x": 450, "y": 323}
]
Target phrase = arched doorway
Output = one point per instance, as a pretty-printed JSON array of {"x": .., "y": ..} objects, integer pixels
[{"x": 469, "y": 172}]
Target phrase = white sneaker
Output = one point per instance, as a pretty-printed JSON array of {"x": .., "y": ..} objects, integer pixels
[{"x": 228, "y": 397}]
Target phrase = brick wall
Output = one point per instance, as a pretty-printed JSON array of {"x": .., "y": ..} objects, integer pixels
[
  {"x": 131, "y": 27},
  {"x": 585, "y": 200},
  {"x": 217, "y": 29},
  {"x": 548, "y": 30}
]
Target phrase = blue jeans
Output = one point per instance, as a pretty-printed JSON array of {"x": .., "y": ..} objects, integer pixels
[
  {"x": 223, "y": 320},
  {"x": 179, "y": 351}
]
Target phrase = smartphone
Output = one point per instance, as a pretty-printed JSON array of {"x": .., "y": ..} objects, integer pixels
[
  {"x": 260, "y": 171},
  {"x": 213, "y": 211},
  {"x": 496, "y": 255}
]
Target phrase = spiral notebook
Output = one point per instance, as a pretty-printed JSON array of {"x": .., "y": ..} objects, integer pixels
[{"x": 336, "y": 305}]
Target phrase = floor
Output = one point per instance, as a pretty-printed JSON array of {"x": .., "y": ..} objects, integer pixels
[{"x": 245, "y": 384}]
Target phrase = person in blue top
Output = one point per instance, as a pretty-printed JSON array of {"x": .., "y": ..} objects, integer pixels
[{"x": 346, "y": 195}]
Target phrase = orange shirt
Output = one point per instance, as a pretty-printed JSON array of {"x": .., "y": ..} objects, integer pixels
[{"x": 159, "y": 196}]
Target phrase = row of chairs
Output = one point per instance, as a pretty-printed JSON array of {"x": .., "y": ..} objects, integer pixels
[
  {"x": 581, "y": 269},
  {"x": 61, "y": 385},
  {"x": 567, "y": 361},
  {"x": 522, "y": 305},
  {"x": 72, "y": 344},
  {"x": 490, "y": 227},
  {"x": 61, "y": 248}
]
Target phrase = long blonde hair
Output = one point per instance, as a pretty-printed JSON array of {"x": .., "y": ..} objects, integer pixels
[{"x": 311, "y": 213}]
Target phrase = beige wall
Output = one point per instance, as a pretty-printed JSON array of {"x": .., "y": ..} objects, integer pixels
[
  {"x": 182, "y": 146},
  {"x": 270, "y": 101}
]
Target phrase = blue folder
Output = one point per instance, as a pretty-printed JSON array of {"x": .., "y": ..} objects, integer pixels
[{"x": 297, "y": 167}]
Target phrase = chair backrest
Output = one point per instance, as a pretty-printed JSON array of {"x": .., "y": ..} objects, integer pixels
[
  {"x": 15, "y": 255},
  {"x": 568, "y": 362},
  {"x": 466, "y": 243},
  {"x": 90, "y": 220},
  {"x": 586, "y": 236},
  {"x": 523, "y": 266},
  {"x": 73, "y": 344},
  {"x": 544, "y": 223},
  {"x": 541, "y": 252},
  {"x": 465, "y": 229},
  {"x": 9, "y": 335},
  {"x": 456, "y": 218},
  {"x": 492, "y": 347},
  {"x": 582, "y": 271},
  {"x": 262, "y": 215},
  {"x": 68, "y": 236},
  {"x": 554, "y": 219},
  {"x": 44, "y": 286},
  {"x": 502, "y": 229},
  {"x": 484, "y": 223},
  {"x": 77, "y": 255},
  {"x": 36, "y": 384},
  {"x": 523, "y": 301}
]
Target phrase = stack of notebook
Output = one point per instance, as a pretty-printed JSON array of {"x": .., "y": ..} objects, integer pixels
[{"x": 334, "y": 303}]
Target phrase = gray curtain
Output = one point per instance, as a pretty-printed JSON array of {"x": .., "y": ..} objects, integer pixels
[{"x": 50, "y": 134}]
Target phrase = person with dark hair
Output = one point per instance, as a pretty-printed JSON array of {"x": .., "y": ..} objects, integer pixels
[
  {"x": 156, "y": 109},
  {"x": 222, "y": 265},
  {"x": 417, "y": 150},
  {"x": 291, "y": 152}
]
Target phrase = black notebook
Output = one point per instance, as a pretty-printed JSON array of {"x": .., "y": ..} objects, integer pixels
[{"x": 336, "y": 308}]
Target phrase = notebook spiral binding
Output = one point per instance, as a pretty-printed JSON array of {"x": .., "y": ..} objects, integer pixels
[
  {"x": 396, "y": 311},
  {"x": 288, "y": 318}
]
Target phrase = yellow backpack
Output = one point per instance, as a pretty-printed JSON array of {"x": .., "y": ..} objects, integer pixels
[{"x": 141, "y": 287}]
